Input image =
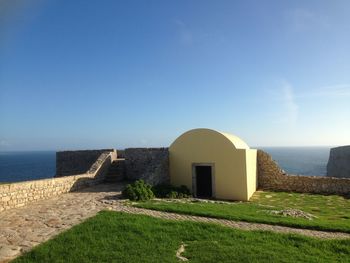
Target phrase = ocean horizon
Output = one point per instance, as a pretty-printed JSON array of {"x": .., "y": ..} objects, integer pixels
[
  {"x": 16, "y": 166},
  {"x": 301, "y": 160}
]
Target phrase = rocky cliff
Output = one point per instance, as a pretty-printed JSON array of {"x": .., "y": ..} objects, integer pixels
[{"x": 339, "y": 162}]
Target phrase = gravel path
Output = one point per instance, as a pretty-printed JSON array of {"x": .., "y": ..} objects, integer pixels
[{"x": 23, "y": 228}]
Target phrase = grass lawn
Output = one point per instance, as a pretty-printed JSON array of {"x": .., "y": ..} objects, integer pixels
[
  {"x": 332, "y": 212},
  {"x": 120, "y": 237}
]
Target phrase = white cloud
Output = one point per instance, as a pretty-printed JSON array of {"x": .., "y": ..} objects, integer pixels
[
  {"x": 287, "y": 98},
  {"x": 295, "y": 110},
  {"x": 304, "y": 20},
  {"x": 334, "y": 91},
  {"x": 291, "y": 107},
  {"x": 282, "y": 99}
]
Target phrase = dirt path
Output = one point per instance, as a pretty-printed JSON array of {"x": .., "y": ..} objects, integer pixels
[{"x": 23, "y": 228}]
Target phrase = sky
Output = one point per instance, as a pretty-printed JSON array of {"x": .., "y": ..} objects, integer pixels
[{"x": 96, "y": 74}]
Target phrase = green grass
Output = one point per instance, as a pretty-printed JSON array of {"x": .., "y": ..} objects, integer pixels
[
  {"x": 332, "y": 212},
  {"x": 120, "y": 237}
]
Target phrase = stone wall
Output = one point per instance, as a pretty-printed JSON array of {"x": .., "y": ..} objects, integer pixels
[
  {"x": 149, "y": 164},
  {"x": 272, "y": 177},
  {"x": 77, "y": 162},
  {"x": 121, "y": 154},
  {"x": 339, "y": 162},
  {"x": 19, "y": 194}
]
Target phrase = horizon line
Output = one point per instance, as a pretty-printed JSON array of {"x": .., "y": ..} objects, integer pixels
[{"x": 86, "y": 149}]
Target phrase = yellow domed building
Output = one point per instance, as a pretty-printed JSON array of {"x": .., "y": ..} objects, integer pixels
[{"x": 213, "y": 164}]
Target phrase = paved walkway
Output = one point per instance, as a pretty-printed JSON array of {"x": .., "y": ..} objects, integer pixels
[{"x": 23, "y": 228}]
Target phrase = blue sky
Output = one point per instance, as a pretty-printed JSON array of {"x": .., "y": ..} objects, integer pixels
[{"x": 92, "y": 74}]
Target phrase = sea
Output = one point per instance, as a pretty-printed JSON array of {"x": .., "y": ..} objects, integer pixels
[{"x": 23, "y": 166}]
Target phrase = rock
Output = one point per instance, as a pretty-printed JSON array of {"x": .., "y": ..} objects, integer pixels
[
  {"x": 180, "y": 251},
  {"x": 339, "y": 162},
  {"x": 293, "y": 213},
  {"x": 9, "y": 251},
  {"x": 53, "y": 222}
]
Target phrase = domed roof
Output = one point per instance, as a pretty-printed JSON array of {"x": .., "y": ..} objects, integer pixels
[{"x": 236, "y": 141}]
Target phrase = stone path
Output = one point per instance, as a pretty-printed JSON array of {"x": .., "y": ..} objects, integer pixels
[
  {"x": 233, "y": 224},
  {"x": 23, "y": 228}
]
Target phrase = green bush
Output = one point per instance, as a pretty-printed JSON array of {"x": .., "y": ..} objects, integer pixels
[
  {"x": 138, "y": 191},
  {"x": 169, "y": 191}
]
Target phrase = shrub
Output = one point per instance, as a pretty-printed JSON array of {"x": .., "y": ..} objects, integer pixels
[
  {"x": 169, "y": 191},
  {"x": 138, "y": 191}
]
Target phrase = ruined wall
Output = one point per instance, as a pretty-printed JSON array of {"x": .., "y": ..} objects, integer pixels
[
  {"x": 149, "y": 164},
  {"x": 339, "y": 162},
  {"x": 77, "y": 162},
  {"x": 19, "y": 194},
  {"x": 272, "y": 177}
]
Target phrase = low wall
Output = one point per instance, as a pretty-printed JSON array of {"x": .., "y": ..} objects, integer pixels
[
  {"x": 272, "y": 177},
  {"x": 20, "y": 194},
  {"x": 77, "y": 162},
  {"x": 149, "y": 164}
]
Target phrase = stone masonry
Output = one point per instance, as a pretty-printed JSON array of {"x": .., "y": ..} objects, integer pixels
[
  {"x": 20, "y": 194},
  {"x": 77, "y": 162},
  {"x": 272, "y": 177},
  {"x": 149, "y": 164}
]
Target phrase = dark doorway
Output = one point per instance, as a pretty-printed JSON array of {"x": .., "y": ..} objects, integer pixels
[{"x": 203, "y": 181}]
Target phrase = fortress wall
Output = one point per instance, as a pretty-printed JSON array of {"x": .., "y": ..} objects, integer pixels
[
  {"x": 20, "y": 194},
  {"x": 272, "y": 177},
  {"x": 77, "y": 162},
  {"x": 149, "y": 164},
  {"x": 152, "y": 165}
]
